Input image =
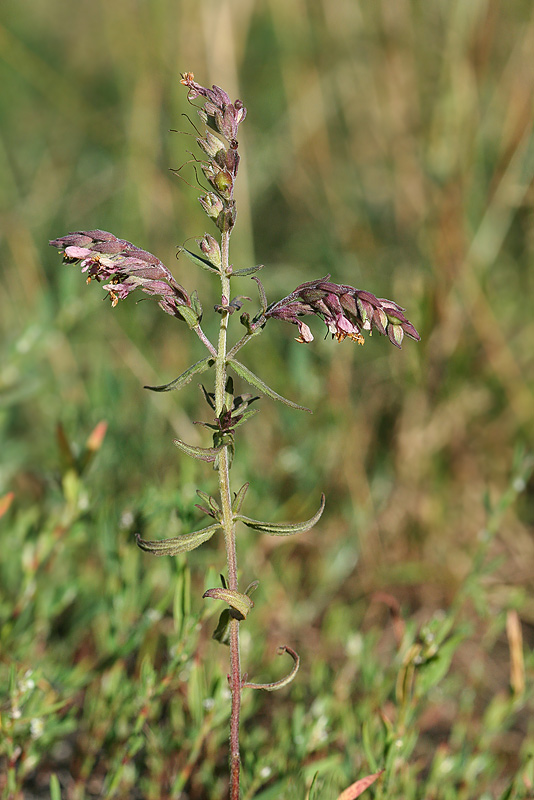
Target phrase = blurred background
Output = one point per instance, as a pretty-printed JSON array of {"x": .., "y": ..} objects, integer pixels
[{"x": 389, "y": 144}]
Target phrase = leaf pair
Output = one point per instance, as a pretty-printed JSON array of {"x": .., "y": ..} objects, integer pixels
[
  {"x": 240, "y": 369},
  {"x": 189, "y": 541}
]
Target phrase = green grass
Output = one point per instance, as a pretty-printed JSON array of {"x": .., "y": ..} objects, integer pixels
[{"x": 389, "y": 144}]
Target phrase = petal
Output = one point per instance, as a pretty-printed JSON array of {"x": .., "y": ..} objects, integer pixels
[
  {"x": 77, "y": 252},
  {"x": 306, "y": 336}
]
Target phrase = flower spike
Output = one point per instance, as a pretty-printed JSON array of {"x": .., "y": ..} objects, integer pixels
[
  {"x": 346, "y": 312},
  {"x": 104, "y": 257}
]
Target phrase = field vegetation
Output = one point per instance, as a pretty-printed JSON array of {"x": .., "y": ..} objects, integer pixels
[{"x": 391, "y": 145}]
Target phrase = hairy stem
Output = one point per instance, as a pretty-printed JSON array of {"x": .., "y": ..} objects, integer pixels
[
  {"x": 242, "y": 342},
  {"x": 228, "y": 526},
  {"x": 204, "y": 339}
]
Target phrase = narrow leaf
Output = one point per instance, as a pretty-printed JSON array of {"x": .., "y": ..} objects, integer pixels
[
  {"x": 283, "y": 528},
  {"x": 240, "y": 603},
  {"x": 253, "y": 379},
  {"x": 244, "y": 417},
  {"x": 202, "y": 453},
  {"x": 179, "y": 544},
  {"x": 247, "y": 270},
  {"x": 67, "y": 453},
  {"x": 356, "y": 789},
  {"x": 272, "y": 687},
  {"x": 188, "y": 315},
  {"x": 263, "y": 296},
  {"x": 203, "y": 496},
  {"x": 196, "y": 305},
  {"x": 251, "y": 588},
  {"x": 221, "y": 633},
  {"x": 239, "y": 497},
  {"x": 55, "y": 788},
  {"x": 185, "y": 377},
  {"x": 198, "y": 260},
  {"x": 209, "y": 500}
]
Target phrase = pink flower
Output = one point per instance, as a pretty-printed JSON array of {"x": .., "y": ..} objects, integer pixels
[
  {"x": 104, "y": 257},
  {"x": 346, "y": 312}
]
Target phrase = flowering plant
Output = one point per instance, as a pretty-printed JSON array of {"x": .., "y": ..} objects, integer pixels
[{"x": 347, "y": 313}]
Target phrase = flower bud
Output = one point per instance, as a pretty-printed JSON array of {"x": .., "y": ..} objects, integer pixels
[
  {"x": 221, "y": 181},
  {"x": 210, "y": 248},
  {"x": 211, "y": 204},
  {"x": 226, "y": 221},
  {"x": 211, "y": 145},
  {"x": 224, "y": 184},
  {"x": 218, "y": 110}
]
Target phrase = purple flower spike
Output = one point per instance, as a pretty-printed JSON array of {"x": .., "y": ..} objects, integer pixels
[
  {"x": 127, "y": 268},
  {"x": 346, "y": 312},
  {"x": 223, "y": 115}
]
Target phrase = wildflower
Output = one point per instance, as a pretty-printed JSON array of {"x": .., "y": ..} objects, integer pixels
[
  {"x": 346, "y": 312},
  {"x": 36, "y": 728},
  {"x": 127, "y": 268},
  {"x": 219, "y": 112},
  {"x": 220, "y": 169}
]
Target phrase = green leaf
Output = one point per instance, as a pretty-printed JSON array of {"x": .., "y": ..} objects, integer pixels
[
  {"x": 198, "y": 260},
  {"x": 221, "y": 633},
  {"x": 196, "y": 304},
  {"x": 185, "y": 377},
  {"x": 238, "y": 499},
  {"x": 55, "y": 789},
  {"x": 240, "y": 603},
  {"x": 253, "y": 379},
  {"x": 261, "y": 292},
  {"x": 213, "y": 504},
  {"x": 244, "y": 417},
  {"x": 67, "y": 454},
  {"x": 247, "y": 270},
  {"x": 251, "y": 588},
  {"x": 202, "y": 453},
  {"x": 434, "y": 670},
  {"x": 188, "y": 315},
  {"x": 179, "y": 544},
  {"x": 283, "y": 528},
  {"x": 181, "y": 609}
]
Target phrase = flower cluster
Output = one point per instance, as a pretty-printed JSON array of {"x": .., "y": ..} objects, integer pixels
[
  {"x": 224, "y": 117},
  {"x": 345, "y": 310},
  {"x": 127, "y": 268}
]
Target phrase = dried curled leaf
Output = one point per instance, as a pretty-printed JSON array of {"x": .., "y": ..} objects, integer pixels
[
  {"x": 272, "y": 687},
  {"x": 356, "y": 789},
  {"x": 240, "y": 604}
]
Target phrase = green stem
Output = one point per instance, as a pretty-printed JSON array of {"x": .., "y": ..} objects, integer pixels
[
  {"x": 203, "y": 338},
  {"x": 228, "y": 525},
  {"x": 242, "y": 342}
]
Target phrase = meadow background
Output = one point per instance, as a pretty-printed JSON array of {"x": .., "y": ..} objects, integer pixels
[{"x": 391, "y": 145}]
